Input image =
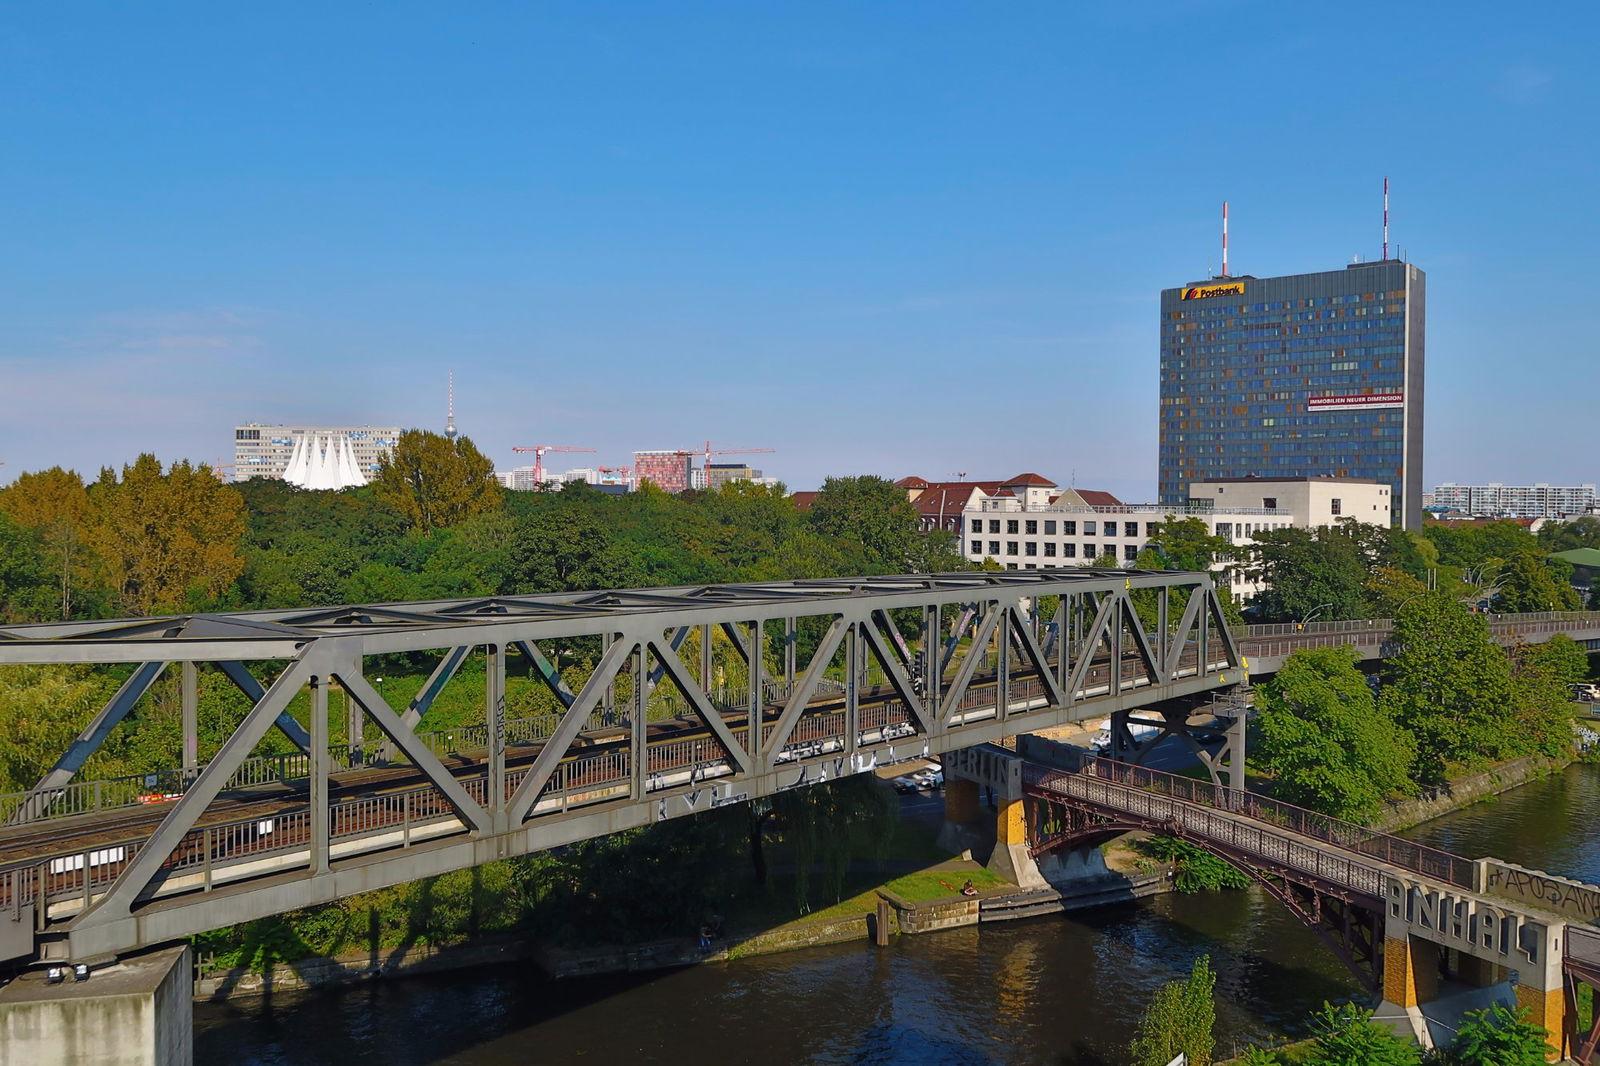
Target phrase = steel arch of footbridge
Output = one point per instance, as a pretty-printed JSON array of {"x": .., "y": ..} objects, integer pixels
[{"x": 1002, "y": 666}]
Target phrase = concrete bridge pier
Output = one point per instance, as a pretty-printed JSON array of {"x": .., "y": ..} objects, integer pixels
[
  {"x": 1489, "y": 952},
  {"x": 138, "y": 1011}
]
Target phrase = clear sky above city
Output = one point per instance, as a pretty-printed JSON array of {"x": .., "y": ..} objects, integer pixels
[{"x": 879, "y": 238}]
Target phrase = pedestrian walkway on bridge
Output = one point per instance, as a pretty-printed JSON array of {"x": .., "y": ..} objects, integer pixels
[{"x": 1398, "y": 913}]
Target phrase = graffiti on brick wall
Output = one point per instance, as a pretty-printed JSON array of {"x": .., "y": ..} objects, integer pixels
[{"x": 1541, "y": 891}]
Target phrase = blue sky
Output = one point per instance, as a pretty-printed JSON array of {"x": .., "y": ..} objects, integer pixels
[{"x": 892, "y": 238}]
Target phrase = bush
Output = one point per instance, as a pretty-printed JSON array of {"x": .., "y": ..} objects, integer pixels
[
  {"x": 1194, "y": 869},
  {"x": 1179, "y": 1020},
  {"x": 1347, "y": 1036}
]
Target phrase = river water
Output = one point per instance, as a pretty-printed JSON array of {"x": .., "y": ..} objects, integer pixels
[{"x": 1062, "y": 989}]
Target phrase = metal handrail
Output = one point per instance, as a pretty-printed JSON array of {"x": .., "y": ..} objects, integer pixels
[{"x": 1347, "y": 836}]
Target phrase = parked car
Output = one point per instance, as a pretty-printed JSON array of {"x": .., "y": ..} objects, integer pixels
[
  {"x": 931, "y": 778},
  {"x": 1586, "y": 692}
]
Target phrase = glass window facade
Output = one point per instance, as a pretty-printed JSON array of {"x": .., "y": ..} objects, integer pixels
[{"x": 1297, "y": 376}]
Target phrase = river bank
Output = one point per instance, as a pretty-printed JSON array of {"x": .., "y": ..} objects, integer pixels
[{"x": 844, "y": 922}]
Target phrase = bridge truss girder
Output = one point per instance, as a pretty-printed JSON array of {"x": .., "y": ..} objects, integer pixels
[
  {"x": 181, "y": 878},
  {"x": 1348, "y": 923}
]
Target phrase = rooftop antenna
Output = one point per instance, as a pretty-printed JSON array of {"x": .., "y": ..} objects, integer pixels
[
  {"x": 1386, "y": 218},
  {"x": 1224, "y": 238},
  {"x": 450, "y": 409}
]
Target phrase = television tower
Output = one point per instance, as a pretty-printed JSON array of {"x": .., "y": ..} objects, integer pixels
[{"x": 450, "y": 430}]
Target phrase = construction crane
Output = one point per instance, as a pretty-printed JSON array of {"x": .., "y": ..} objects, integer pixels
[
  {"x": 709, "y": 451},
  {"x": 539, "y": 451},
  {"x": 625, "y": 471}
]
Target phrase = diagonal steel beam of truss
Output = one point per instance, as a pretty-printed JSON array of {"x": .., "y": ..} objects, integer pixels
[
  {"x": 117, "y": 903},
  {"x": 736, "y": 638},
  {"x": 804, "y": 689},
  {"x": 89, "y": 740},
  {"x": 702, "y": 706},
  {"x": 246, "y": 682},
  {"x": 893, "y": 632},
  {"x": 1180, "y": 636},
  {"x": 435, "y": 684},
  {"x": 572, "y": 723},
  {"x": 407, "y": 741},
  {"x": 1220, "y": 624},
  {"x": 1110, "y": 605},
  {"x": 897, "y": 676},
  {"x": 1036, "y": 656},
  {"x": 950, "y": 702},
  {"x": 679, "y": 635},
  {"x": 1141, "y": 643},
  {"x": 546, "y": 670}
]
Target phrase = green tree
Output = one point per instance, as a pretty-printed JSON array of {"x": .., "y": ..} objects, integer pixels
[
  {"x": 1449, "y": 686},
  {"x": 41, "y": 710},
  {"x": 1307, "y": 572},
  {"x": 1541, "y": 680},
  {"x": 55, "y": 505},
  {"x": 1347, "y": 1036},
  {"x": 168, "y": 541},
  {"x": 1497, "y": 1036},
  {"x": 434, "y": 481},
  {"x": 871, "y": 511},
  {"x": 1179, "y": 1020},
  {"x": 565, "y": 549},
  {"x": 1326, "y": 741},
  {"x": 1581, "y": 532},
  {"x": 1187, "y": 544},
  {"x": 27, "y": 593},
  {"x": 1530, "y": 582}
]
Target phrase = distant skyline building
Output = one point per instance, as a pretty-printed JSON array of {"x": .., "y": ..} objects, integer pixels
[
  {"x": 1305, "y": 375},
  {"x": 669, "y": 471},
  {"x": 1515, "y": 501},
  {"x": 264, "y": 450}
]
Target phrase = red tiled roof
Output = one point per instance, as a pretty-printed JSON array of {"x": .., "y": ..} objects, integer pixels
[
  {"x": 911, "y": 482},
  {"x": 1096, "y": 498},
  {"x": 1036, "y": 480},
  {"x": 949, "y": 497},
  {"x": 802, "y": 500}
]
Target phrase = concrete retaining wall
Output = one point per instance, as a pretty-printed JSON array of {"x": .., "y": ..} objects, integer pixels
[{"x": 1469, "y": 790}]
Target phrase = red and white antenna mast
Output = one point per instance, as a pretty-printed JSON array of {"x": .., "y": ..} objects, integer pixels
[
  {"x": 1386, "y": 218},
  {"x": 1224, "y": 238}
]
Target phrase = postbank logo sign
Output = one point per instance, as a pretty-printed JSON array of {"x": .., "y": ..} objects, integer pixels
[{"x": 1201, "y": 292}]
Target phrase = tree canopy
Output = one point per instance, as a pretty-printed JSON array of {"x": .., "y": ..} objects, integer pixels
[
  {"x": 1326, "y": 741},
  {"x": 434, "y": 481}
]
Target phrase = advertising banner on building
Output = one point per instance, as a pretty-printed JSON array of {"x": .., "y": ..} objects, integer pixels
[
  {"x": 1201, "y": 292},
  {"x": 1376, "y": 401}
]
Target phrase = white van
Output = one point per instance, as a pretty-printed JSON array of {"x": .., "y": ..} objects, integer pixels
[{"x": 1102, "y": 740}]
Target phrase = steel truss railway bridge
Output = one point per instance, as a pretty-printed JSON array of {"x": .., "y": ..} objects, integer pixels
[{"x": 95, "y": 869}]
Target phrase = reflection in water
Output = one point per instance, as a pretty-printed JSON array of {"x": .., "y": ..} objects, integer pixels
[{"x": 1066, "y": 990}]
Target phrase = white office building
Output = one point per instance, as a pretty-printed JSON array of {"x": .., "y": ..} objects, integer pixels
[
  {"x": 1515, "y": 501},
  {"x": 1048, "y": 527}
]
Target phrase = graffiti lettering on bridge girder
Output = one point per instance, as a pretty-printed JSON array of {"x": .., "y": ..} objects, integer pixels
[{"x": 1535, "y": 888}]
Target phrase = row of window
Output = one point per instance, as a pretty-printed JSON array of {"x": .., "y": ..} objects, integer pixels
[
  {"x": 1068, "y": 551},
  {"x": 1069, "y": 528}
]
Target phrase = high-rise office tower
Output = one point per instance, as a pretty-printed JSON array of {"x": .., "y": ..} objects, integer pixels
[{"x": 1306, "y": 375}]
